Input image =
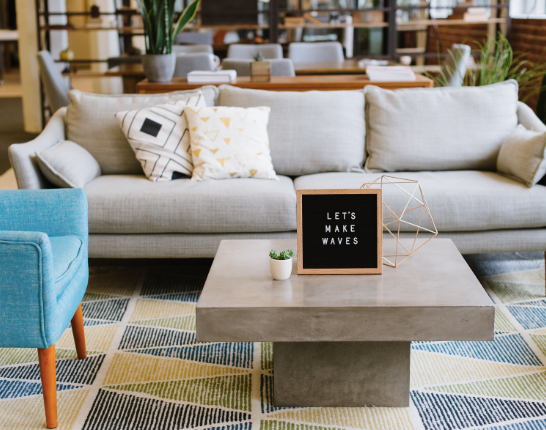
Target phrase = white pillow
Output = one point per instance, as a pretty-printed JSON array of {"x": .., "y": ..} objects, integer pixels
[
  {"x": 160, "y": 138},
  {"x": 68, "y": 165},
  {"x": 521, "y": 156},
  {"x": 230, "y": 142}
]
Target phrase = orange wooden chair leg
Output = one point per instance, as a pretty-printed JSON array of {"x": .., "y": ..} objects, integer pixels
[
  {"x": 77, "y": 332},
  {"x": 48, "y": 373}
]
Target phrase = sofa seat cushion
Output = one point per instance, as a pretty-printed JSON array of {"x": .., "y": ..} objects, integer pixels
[
  {"x": 132, "y": 204},
  {"x": 458, "y": 200}
]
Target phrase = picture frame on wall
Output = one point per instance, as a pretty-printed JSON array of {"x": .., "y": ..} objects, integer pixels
[{"x": 340, "y": 231}]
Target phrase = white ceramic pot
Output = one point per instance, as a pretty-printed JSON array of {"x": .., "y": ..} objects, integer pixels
[{"x": 280, "y": 269}]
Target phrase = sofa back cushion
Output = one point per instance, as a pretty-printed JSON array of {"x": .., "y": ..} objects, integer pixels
[
  {"x": 309, "y": 132},
  {"x": 440, "y": 128},
  {"x": 90, "y": 122}
]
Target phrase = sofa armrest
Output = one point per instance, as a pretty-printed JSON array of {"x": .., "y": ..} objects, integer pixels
[
  {"x": 27, "y": 291},
  {"x": 23, "y": 156},
  {"x": 528, "y": 119}
]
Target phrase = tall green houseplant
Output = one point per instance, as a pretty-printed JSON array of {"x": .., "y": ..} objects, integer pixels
[{"x": 160, "y": 32}]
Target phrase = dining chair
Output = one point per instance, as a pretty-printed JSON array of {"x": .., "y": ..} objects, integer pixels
[
  {"x": 269, "y": 51},
  {"x": 189, "y": 62},
  {"x": 279, "y": 67},
  {"x": 55, "y": 86},
  {"x": 43, "y": 276},
  {"x": 315, "y": 52},
  {"x": 454, "y": 68}
]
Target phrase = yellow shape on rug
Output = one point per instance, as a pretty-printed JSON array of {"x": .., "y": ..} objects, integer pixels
[
  {"x": 130, "y": 368},
  {"x": 363, "y": 418},
  {"x": 97, "y": 338},
  {"x": 149, "y": 308},
  {"x": 429, "y": 368},
  {"x": 28, "y": 413},
  {"x": 122, "y": 283}
]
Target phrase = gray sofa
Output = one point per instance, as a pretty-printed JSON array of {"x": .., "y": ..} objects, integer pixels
[{"x": 447, "y": 140}]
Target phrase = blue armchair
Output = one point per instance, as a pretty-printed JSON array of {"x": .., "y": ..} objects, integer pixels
[{"x": 43, "y": 276}]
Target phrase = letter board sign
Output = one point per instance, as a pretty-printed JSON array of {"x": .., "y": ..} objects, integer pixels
[{"x": 340, "y": 232}]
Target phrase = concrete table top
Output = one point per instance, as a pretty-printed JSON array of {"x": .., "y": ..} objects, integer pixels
[{"x": 432, "y": 296}]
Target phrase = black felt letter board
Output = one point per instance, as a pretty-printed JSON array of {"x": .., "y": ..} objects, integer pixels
[{"x": 338, "y": 232}]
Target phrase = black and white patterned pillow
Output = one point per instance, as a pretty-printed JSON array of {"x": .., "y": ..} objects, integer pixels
[{"x": 160, "y": 138}]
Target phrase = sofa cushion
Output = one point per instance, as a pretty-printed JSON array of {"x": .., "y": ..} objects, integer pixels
[
  {"x": 440, "y": 128},
  {"x": 309, "y": 132},
  {"x": 90, "y": 122},
  {"x": 132, "y": 204},
  {"x": 67, "y": 165},
  {"x": 458, "y": 200}
]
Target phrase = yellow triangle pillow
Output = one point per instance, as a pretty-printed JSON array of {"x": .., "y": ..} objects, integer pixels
[{"x": 230, "y": 142}]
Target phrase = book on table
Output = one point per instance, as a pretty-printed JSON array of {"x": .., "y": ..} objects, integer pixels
[{"x": 207, "y": 77}]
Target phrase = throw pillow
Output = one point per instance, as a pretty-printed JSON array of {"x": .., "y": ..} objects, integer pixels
[
  {"x": 230, "y": 142},
  {"x": 521, "y": 156},
  {"x": 68, "y": 165},
  {"x": 160, "y": 138}
]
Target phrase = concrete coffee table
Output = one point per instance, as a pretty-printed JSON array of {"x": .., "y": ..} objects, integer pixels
[{"x": 342, "y": 340}]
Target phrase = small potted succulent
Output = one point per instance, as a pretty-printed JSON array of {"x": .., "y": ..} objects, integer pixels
[
  {"x": 281, "y": 264},
  {"x": 260, "y": 70}
]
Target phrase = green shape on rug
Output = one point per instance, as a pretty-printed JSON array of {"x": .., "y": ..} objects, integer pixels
[
  {"x": 181, "y": 323},
  {"x": 540, "y": 340},
  {"x": 532, "y": 387},
  {"x": 267, "y": 355},
  {"x": 283, "y": 425},
  {"x": 509, "y": 292},
  {"x": 232, "y": 391},
  {"x": 90, "y": 297},
  {"x": 10, "y": 356},
  {"x": 502, "y": 323}
]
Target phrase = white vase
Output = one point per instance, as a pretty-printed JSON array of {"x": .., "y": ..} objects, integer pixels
[{"x": 280, "y": 269}]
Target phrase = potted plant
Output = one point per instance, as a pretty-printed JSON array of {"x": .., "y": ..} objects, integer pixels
[
  {"x": 281, "y": 264},
  {"x": 158, "y": 20},
  {"x": 260, "y": 70}
]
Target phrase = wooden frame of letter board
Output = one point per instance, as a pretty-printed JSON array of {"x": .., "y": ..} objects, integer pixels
[{"x": 356, "y": 271}]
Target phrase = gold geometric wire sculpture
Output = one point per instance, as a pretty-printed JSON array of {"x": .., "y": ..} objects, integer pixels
[{"x": 396, "y": 219}]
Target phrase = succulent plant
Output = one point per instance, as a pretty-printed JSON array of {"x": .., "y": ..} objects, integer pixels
[
  {"x": 259, "y": 57},
  {"x": 284, "y": 255}
]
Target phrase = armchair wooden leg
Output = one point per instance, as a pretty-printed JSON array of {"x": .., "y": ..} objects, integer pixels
[
  {"x": 77, "y": 332},
  {"x": 46, "y": 358}
]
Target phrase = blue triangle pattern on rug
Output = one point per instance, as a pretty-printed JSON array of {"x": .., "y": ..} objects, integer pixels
[
  {"x": 527, "y": 425},
  {"x": 500, "y": 267},
  {"x": 529, "y": 317},
  {"x": 13, "y": 389},
  {"x": 536, "y": 303},
  {"x": 116, "y": 411},
  {"x": 68, "y": 370},
  {"x": 447, "y": 411},
  {"x": 242, "y": 426},
  {"x": 149, "y": 337},
  {"x": 238, "y": 354},
  {"x": 192, "y": 296},
  {"x": 505, "y": 349},
  {"x": 91, "y": 323},
  {"x": 110, "y": 310}
]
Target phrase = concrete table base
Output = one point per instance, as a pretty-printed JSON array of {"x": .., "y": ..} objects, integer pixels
[{"x": 342, "y": 373}]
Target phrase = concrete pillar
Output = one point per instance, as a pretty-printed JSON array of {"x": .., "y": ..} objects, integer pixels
[{"x": 30, "y": 75}]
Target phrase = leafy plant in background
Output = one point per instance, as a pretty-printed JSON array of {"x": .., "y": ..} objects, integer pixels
[
  {"x": 496, "y": 62},
  {"x": 284, "y": 255},
  {"x": 158, "y": 20}
]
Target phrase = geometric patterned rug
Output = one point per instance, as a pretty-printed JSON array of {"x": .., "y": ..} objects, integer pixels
[{"x": 145, "y": 370}]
